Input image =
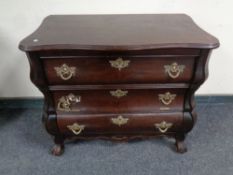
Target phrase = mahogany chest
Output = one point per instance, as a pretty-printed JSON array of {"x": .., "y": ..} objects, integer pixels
[{"x": 118, "y": 77}]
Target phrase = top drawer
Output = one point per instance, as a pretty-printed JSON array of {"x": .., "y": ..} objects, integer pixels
[{"x": 120, "y": 69}]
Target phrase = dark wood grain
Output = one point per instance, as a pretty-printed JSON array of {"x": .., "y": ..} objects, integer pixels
[
  {"x": 39, "y": 80},
  {"x": 118, "y": 32},
  {"x": 97, "y": 70},
  {"x": 137, "y": 123},
  {"x": 89, "y": 42},
  {"x": 136, "y": 101},
  {"x": 50, "y": 54}
]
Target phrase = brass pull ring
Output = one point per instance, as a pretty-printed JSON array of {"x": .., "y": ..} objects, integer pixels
[
  {"x": 119, "y": 63},
  {"x": 118, "y": 93},
  {"x": 163, "y": 126},
  {"x": 120, "y": 120},
  {"x": 174, "y": 70},
  {"x": 65, "y": 102},
  {"x": 167, "y": 98},
  {"x": 76, "y": 128},
  {"x": 65, "y": 72}
]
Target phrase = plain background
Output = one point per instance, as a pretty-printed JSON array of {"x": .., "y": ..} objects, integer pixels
[{"x": 19, "y": 18}]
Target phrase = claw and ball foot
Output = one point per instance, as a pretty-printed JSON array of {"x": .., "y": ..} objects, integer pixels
[
  {"x": 180, "y": 145},
  {"x": 58, "y": 148}
]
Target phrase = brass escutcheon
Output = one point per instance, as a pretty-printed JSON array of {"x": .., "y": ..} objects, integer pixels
[
  {"x": 65, "y": 72},
  {"x": 174, "y": 70},
  {"x": 167, "y": 98},
  {"x": 76, "y": 128},
  {"x": 65, "y": 102},
  {"x": 118, "y": 93},
  {"x": 120, "y": 120},
  {"x": 163, "y": 126},
  {"x": 119, "y": 63}
]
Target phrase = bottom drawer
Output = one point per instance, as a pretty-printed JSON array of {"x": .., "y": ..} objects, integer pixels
[{"x": 81, "y": 125}]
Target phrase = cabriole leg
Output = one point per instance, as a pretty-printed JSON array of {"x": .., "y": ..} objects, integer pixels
[
  {"x": 58, "y": 148},
  {"x": 180, "y": 145}
]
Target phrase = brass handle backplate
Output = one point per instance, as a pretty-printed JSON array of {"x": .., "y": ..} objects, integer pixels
[
  {"x": 120, "y": 120},
  {"x": 174, "y": 70},
  {"x": 119, "y": 63},
  {"x": 65, "y": 72},
  {"x": 65, "y": 102},
  {"x": 167, "y": 98},
  {"x": 118, "y": 93},
  {"x": 163, "y": 126},
  {"x": 76, "y": 128}
]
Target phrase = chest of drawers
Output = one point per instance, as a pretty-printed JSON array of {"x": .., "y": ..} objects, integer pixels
[{"x": 118, "y": 77}]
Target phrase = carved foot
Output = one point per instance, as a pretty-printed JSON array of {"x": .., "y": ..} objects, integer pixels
[
  {"x": 57, "y": 150},
  {"x": 180, "y": 145}
]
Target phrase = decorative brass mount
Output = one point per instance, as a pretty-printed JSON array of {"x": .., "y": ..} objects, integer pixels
[
  {"x": 174, "y": 70},
  {"x": 119, "y": 63},
  {"x": 163, "y": 126},
  {"x": 65, "y": 72},
  {"x": 76, "y": 128},
  {"x": 118, "y": 93},
  {"x": 167, "y": 98},
  {"x": 65, "y": 102},
  {"x": 120, "y": 120}
]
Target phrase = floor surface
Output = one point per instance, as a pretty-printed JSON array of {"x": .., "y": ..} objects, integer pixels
[{"x": 24, "y": 149}]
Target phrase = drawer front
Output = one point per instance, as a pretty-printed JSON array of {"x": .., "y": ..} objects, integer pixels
[
  {"x": 79, "y": 125},
  {"x": 110, "y": 70},
  {"x": 119, "y": 101}
]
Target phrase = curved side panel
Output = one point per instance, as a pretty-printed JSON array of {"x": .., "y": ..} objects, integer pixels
[
  {"x": 199, "y": 76},
  {"x": 38, "y": 79},
  {"x": 50, "y": 123},
  {"x": 188, "y": 121}
]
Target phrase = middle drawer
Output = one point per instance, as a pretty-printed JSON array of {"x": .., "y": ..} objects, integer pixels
[{"x": 119, "y": 101}]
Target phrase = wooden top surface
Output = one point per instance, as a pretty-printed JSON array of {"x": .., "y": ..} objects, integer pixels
[{"x": 118, "y": 32}]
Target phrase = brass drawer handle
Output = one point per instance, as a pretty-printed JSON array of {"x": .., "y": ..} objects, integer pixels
[
  {"x": 163, "y": 126},
  {"x": 119, "y": 63},
  {"x": 65, "y": 72},
  {"x": 65, "y": 102},
  {"x": 118, "y": 93},
  {"x": 167, "y": 98},
  {"x": 120, "y": 120},
  {"x": 76, "y": 128},
  {"x": 174, "y": 70}
]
